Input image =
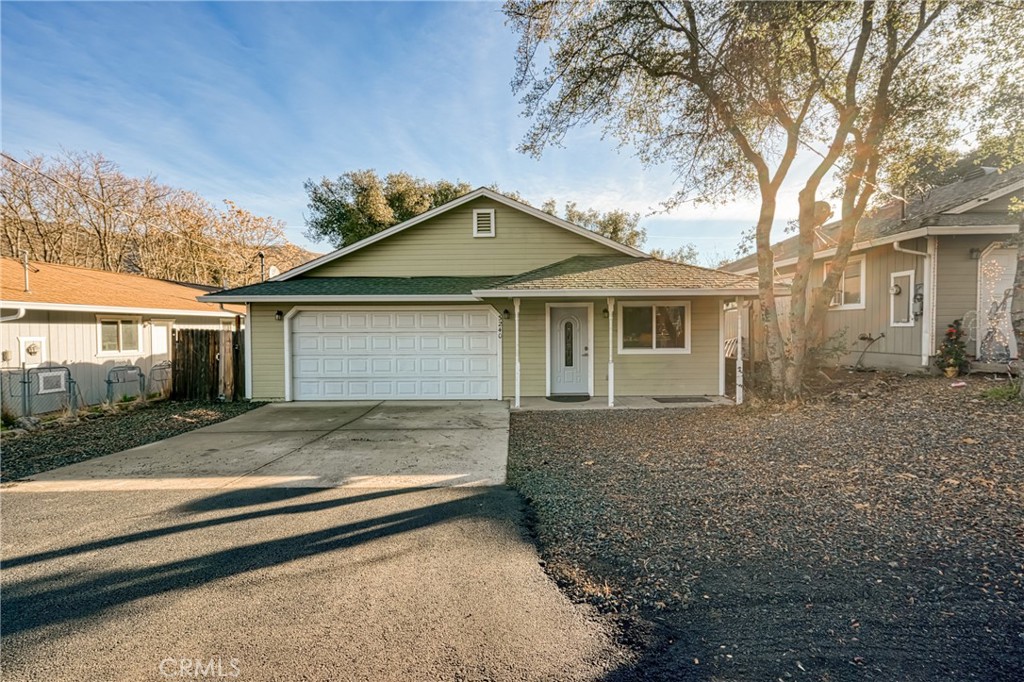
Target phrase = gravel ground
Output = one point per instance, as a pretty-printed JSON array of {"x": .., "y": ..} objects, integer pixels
[
  {"x": 66, "y": 444},
  {"x": 877, "y": 533}
]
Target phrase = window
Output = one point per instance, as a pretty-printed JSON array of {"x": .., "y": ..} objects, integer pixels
[
  {"x": 654, "y": 327},
  {"x": 850, "y": 291},
  {"x": 118, "y": 335},
  {"x": 568, "y": 344},
  {"x": 483, "y": 222},
  {"x": 901, "y": 299}
]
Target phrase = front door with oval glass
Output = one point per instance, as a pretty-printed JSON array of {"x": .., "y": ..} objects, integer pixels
[{"x": 570, "y": 353}]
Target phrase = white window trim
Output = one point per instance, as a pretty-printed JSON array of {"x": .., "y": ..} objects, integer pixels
[
  {"x": 892, "y": 308},
  {"x": 686, "y": 350},
  {"x": 839, "y": 286},
  {"x": 494, "y": 227},
  {"x": 100, "y": 353}
]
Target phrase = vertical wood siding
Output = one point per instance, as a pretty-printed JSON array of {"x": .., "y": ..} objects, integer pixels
[
  {"x": 71, "y": 341},
  {"x": 901, "y": 347},
  {"x": 958, "y": 279}
]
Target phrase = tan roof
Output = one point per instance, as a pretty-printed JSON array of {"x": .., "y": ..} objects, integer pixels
[
  {"x": 625, "y": 273},
  {"x": 64, "y": 285}
]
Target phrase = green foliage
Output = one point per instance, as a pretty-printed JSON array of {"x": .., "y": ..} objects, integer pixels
[
  {"x": 687, "y": 253},
  {"x": 129, "y": 398},
  {"x": 359, "y": 204},
  {"x": 621, "y": 226},
  {"x": 1009, "y": 391},
  {"x": 953, "y": 350}
]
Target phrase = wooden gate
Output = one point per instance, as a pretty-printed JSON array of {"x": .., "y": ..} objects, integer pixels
[{"x": 207, "y": 365}]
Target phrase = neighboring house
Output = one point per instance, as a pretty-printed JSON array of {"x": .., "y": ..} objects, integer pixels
[
  {"x": 486, "y": 298},
  {"x": 915, "y": 268},
  {"x": 89, "y": 321}
]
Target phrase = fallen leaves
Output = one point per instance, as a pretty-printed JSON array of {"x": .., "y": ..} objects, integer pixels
[{"x": 729, "y": 524}]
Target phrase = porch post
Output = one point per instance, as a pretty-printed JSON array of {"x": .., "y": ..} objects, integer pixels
[
  {"x": 741, "y": 316},
  {"x": 611, "y": 354},
  {"x": 515, "y": 304}
]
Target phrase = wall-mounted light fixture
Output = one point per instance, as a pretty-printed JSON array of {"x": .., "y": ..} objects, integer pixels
[
  {"x": 975, "y": 254},
  {"x": 279, "y": 315},
  {"x": 604, "y": 313},
  {"x": 506, "y": 314}
]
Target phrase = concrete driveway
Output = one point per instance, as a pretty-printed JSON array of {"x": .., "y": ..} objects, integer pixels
[
  {"x": 230, "y": 552},
  {"x": 360, "y": 444}
]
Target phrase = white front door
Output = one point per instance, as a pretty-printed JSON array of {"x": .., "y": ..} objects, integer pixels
[
  {"x": 996, "y": 270},
  {"x": 396, "y": 353},
  {"x": 570, "y": 354}
]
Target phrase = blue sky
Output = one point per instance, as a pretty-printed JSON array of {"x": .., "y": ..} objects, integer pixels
[{"x": 244, "y": 101}]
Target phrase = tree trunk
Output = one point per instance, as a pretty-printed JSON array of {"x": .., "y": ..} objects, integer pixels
[{"x": 775, "y": 347}]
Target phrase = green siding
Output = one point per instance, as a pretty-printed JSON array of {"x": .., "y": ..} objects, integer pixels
[
  {"x": 692, "y": 374},
  {"x": 696, "y": 373},
  {"x": 444, "y": 245},
  {"x": 267, "y": 352}
]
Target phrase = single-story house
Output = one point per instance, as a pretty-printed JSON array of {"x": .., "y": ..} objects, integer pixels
[
  {"x": 485, "y": 297},
  {"x": 90, "y": 321},
  {"x": 916, "y": 267}
]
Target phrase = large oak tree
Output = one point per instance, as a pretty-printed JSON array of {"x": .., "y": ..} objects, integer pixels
[{"x": 730, "y": 94}]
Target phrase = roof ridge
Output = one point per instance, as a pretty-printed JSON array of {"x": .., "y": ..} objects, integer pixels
[{"x": 38, "y": 263}]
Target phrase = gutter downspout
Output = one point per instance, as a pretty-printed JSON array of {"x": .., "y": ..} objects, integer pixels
[
  {"x": 16, "y": 316},
  {"x": 927, "y": 325}
]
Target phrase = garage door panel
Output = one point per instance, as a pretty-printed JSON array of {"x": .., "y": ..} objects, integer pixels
[
  {"x": 389, "y": 354},
  {"x": 429, "y": 342}
]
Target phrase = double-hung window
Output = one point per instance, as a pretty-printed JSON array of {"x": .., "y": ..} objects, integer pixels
[
  {"x": 119, "y": 335},
  {"x": 654, "y": 327}
]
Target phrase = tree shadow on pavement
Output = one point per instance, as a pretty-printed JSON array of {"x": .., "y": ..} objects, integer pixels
[{"x": 68, "y": 597}]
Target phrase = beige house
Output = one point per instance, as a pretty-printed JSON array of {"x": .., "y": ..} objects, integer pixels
[
  {"x": 487, "y": 298},
  {"x": 916, "y": 267},
  {"x": 65, "y": 331}
]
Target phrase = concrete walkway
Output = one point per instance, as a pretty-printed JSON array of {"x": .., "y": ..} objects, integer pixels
[
  {"x": 600, "y": 402},
  {"x": 355, "y": 444}
]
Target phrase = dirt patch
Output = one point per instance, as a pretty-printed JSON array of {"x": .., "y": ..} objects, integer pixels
[
  {"x": 66, "y": 444},
  {"x": 875, "y": 534}
]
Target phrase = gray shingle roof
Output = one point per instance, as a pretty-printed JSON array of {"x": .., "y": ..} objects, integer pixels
[
  {"x": 623, "y": 272},
  {"x": 886, "y": 220}
]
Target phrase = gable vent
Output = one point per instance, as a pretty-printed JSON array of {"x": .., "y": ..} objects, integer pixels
[{"x": 483, "y": 222}]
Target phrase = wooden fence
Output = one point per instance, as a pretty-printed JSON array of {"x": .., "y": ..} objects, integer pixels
[{"x": 208, "y": 365}]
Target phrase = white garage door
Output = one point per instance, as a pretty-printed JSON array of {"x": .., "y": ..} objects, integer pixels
[{"x": 395, "y": 354}]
